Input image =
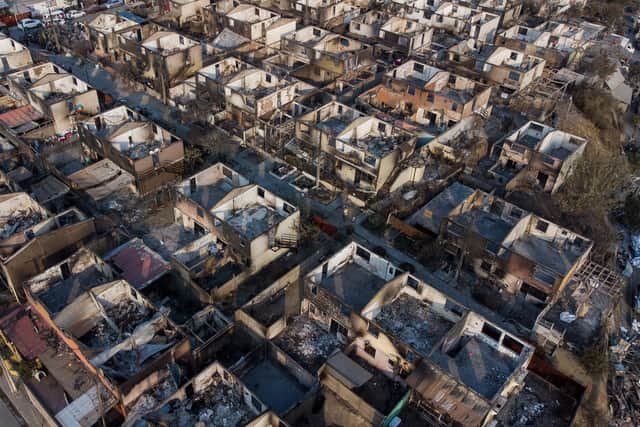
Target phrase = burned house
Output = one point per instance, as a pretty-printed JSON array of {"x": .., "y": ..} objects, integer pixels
[
  {"x": 50, "y": 192},
  {"x": 364, "y": 150},
  {"x": 256, "y": 223},
  {"x": 326, "y": 13},
  {"x": 150, "y": 153},
  {"x": 33, "y": 239},
  {"x": 119, "y": 336},
  {"x": 576, "y": 318},
  {"x": 342, "y": 285},
  {"x": 557, "y": 43},
  {"x": 519, "y": 251},
  {"x": 404, "y": 333},
  {"x": 398, "y": 34},
  {"x": 487, "y": 362},
  {"x": 466, "y": 142},
  {"x": 540, "y": 154},
  {"x": 348, "y": 87},
  {"x": 510, "y": 69},
  {"x": 464, "y": 22},
  {"x": 102, "y": 180},
  {"x": 164, "y": 58},
  {"x": 308, "y": 342},
  {"x": 367, "y": 25},
  {"x": 55, "y": 94},
  {"x": 430, "y": 218},
  {"x": 278, "y": 381},
  {"x": 368, "y": 153},
  {"x": 508, "y": 10},
  {"x": 253, "y": 93},
  {"x": 416, "y": 7},
  {"x": 265, "y": 314},
  {"x": 13, "y": 55},
  {"x": 405, "y": 35},
  {"x": 243, "y": 227},
  {"x": 60, "y": 390},
  {"x": 213, "y": 397},
  {"x": 427, "y": 95},
  {"x": 211, "y": 80},
  {"x": 326, "y": 54},
  {"x": 62, "y": 283},
  {"x": 202, "y": 192},
  {"x": 104, "y": 30},
  {"x": 319, "y": 129},
  {"x": 184, "y": 11},
  {"x": 415, "y": 332},
  {"x": 257, "y": 24}
]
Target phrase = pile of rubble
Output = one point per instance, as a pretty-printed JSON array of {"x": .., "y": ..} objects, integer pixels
[
  {"x": 414, "y": 322},
  {"x": 218, "y": 405},
  {"x": 624, "y": 386},
  {"x": 152, "y": 398},
  {"x": 128, "y": 314},
  {"x": 20, "y": 220},
  {"x": 307, "y": 342}
]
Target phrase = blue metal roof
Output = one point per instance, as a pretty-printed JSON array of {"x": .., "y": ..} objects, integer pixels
[{"x": 132, "y": 17}]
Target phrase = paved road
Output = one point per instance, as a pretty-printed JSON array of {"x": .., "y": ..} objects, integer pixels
[
  {"x": 7, "y": 419},
  {"x": 105, "y": 82}
]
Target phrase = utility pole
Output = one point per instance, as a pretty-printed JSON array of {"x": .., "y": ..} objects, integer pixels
[{"x": 53, "y": 27}]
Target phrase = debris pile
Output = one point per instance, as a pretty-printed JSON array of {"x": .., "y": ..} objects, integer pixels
[
  {"x": 413, "y": 322},
  {"x": 624, "y": 386},
  {"x": 128, "y": 314},
  {"x": 153, "y": 397},
  {"x": 307, "y": 343},
  {"x": 20, "y": 220},
  {"x": 217, "y": 405}
]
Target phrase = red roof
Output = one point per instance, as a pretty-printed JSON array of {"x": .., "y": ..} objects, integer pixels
[
  {"x": 19, "y": 116},
  {"x": 139, "y": 264},
  {"x": 19, "y": 327}
]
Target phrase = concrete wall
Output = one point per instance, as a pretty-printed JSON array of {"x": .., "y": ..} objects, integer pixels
[
  {"x": 15, "y": 60},
  {"x": 359, "y": 406},
  {"x": 44, "y": 251},
  {"x": 290, "y": 279},
  {"x": 63, "y": 118}
]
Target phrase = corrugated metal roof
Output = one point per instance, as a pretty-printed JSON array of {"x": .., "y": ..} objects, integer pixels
[
  {"x": 139, "y": 264},
  {"x": 20, "y": 329},
  {"x": 447, "y": 396},
  {"x": 19, "y": 116}
]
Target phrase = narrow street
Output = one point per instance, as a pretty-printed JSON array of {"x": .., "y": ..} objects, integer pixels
[{"x": 105, "y": 82}]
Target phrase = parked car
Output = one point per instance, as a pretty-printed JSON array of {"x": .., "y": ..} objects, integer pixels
[
  {"x": 29, "y": 24},
  {"x": 57, "y": 19},
  {"x": 75, "y": 14},
  {"x": 113, "y": 3},
  {"x": 55, "y": 13}
]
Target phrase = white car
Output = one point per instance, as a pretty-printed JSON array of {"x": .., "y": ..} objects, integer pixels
[
  {"x": 29, "y": 24},
  {"x": 75, "y": 14},
  {"x": 113, "y": 3}
]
